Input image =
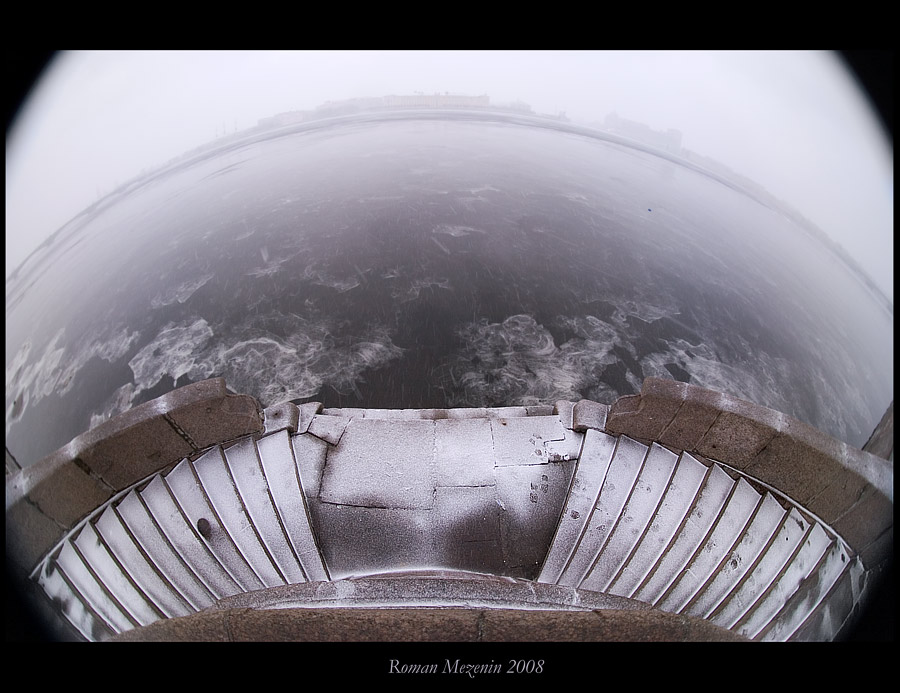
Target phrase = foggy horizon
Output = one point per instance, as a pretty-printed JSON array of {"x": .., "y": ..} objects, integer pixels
[{"x": 793, "y": 122}]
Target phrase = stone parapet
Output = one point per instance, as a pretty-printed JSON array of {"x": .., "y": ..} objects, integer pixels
[
  {"x": 849, "y": 489},
  {"x": 430, "y": 625},
  {"x": 47, "y": 499},
  {"x": 416, "y": 607}
]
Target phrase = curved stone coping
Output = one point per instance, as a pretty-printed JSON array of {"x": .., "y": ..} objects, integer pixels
[
  {"x": 47, "y": 499},
  {"x": 424, "y": 624},
  {"x": 851, "y": 490},
  {"x": 429, "y": 588},
  {"x": 438, "y": 606}
]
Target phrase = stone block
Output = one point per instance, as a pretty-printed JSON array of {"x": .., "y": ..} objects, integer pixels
[
  {"x": 507, "y": 412},
  {"x": 465, "y": 452},
  {"x": 844, "y": 490},
  {"x": 328, "y": 428},
  {"x": 693, "y": 419},
  {"x": 567, "y": 449},
  {"x": 280, "y": 417},
  {"x": 211, "y": 625},
  {"x": 531, "y": 499},
  {"x": 362, "y": 540},
  {"x": 565, "y": 411},
  {"x": 30, "y": 534},
  {"x": 523, "y": 440},
  {"x": 356, "y": 625},
  {"x": 209, "y": 418},
  {"x": 800, "y": 461},
  {"x": 430, "y": 414},
  {"x": 310, "y": 454},
  {"x": 740, "y": 432},
  {"x": 126, "y": 456},
  {"x": 466, "y": 528},
  {"x": 880, "y": 553},
  {"x": 307, "y": 412},
  {"x": 539, "y": 410},
  {"x": 881, "y": 442},
  {"x": 878, "y": 471},
  {"x": 382, "y": 464},
  {"x": 589, "y": 415},
  {"x": 60, "y": 486},
  {"x": 12, "y": 465},
  {"x": 647, "y": 416},
  {"x": 463, "y": 413},
  {"x": 867, "y": 520},
  {"x": 383, "y": 414},
  {"x": 345, "y": 412},
  {"x": 153, "y": 435},
  {"x": 608, "y": 625}
]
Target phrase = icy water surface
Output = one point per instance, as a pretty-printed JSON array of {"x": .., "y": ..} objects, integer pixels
[{"x": 437, "y": 263}]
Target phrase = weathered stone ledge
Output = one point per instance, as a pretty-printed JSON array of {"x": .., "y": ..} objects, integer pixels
[
  {"x": 47, "y": 499},
  {"x": 416, "y": 607}
]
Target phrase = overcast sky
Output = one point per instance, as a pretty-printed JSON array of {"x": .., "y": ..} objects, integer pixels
[{"x": 795, "y": 122}]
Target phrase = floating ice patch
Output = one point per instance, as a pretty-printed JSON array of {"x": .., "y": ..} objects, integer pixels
[
  {"x": 54, "y": 372},
  {"x": 752, "y": 374},
  {"x": 483, "y": 188},
  {"x": 272, "y": 264},
  {"x": 316, "y": 275},
  {"x": 266, "y": 271},
  {"x": 120, "y": 402},
  {"x": 518, "y": 362},
  {"x": 405, "y": 294},
  {"x": 111, "y": 347},
  {"x": 470, "y": 203},
  {"x": 174, "y": 352},
  {"x": 274, "y": 370},
  {"x": 440, "y": 245},
  {"x": 248, "y": 231},
  {"x": 16, "y": 374},
  {"x": 512, "y": 363},
  {"x": 645, "y": 310},
  {"x": 594, "y": 338},
  {"x": 35, "y": 378},
  {"x": 757, "y": 376},
  {"x": 252, "y": 361},
  {"x": 455, "y": 230},
  {"x": 381, "y": 198},
  {"x": 180, "y": 293}
]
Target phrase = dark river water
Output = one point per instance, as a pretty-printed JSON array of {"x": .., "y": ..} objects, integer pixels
[{"x": 438, "y": 262}]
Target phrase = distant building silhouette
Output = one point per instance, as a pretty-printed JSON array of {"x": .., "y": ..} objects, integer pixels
[
  {"x": 331, "y": 109},
  {"x": 669, "y": 141}
]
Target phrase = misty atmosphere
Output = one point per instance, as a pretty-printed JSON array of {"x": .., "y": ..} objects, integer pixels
[{"x": 399, "y": 230}]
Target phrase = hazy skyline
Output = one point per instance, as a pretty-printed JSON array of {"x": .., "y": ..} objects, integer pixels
[{"x": 795, "y": 122}]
